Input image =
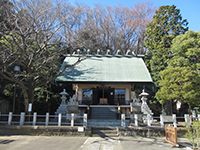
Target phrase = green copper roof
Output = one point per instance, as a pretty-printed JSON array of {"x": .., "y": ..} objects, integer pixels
[{"x": 105, "y": 69}]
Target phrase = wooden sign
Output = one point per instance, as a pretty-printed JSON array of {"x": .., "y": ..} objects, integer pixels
[{"x": 171, "y": 135}]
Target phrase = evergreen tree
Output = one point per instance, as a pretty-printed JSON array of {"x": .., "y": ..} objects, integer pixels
[
  {"x": 186, "y": 52},
  {"x": 181, "y": 84},
  {"x": 166, "y": 25},
  {"x": 181, "y": 80}
]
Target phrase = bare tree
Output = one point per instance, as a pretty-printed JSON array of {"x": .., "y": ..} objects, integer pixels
[
  {"x": 113, "y": 27},
  {"x": 35, "y": 32},
  {"x": 29, "y": 40}
]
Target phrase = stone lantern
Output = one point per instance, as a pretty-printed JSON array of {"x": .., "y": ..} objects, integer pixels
[
  {"x": 145, "y": 108},
  {"x": 143, "y": 96},
  {"x": 63, "y": 107}
]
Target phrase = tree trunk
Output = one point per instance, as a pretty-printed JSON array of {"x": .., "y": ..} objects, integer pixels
[
  {"x": 31, "y": 92},
  {"x": 26, "y": 101},
  {"x": 28, "y": 94}
]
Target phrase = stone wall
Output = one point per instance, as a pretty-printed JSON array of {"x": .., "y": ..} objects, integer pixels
[
  {"x": 43, "y": 130},
  {"x": 147, "y": 131},
  {"x": 73, "y": 131}
]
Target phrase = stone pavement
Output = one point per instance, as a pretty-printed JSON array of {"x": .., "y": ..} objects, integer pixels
[{"x": 85, "y": 143}]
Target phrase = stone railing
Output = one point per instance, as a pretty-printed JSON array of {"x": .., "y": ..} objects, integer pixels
[{"x": 75, "y": 120}]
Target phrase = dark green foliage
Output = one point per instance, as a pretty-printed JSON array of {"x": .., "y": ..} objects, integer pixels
[
  {"x": 166, "y": 25},
  {"x": 180, "y": 81},
  {"x": 179, "y": 84},
  {"x": 193, "y": 134},
  {"x": 186, "y": 50},
  {"x": 48, "y": 99}
]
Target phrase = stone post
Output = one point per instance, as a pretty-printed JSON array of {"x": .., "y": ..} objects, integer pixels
[
  {"x": 22, "y": 118},
  {"x": 148, "y": 120},
  {"x": 85, "y": 120},
  {"x": 199, "y": 117},
  {"x": 187, "y": 119},
  {"x": 132, "y": 118},
  {"x": 47, "y": 119},
  {"x": 10, "y": 118},
  {"x": 123, "y": 118},
  {"x": 34, "y": 118},
  {"x": 136, "y": 119},
  {"x": 194, "y": 114},
  {"x": 59, "y": 119},
  {"x": 174, "y": 120},
  {"x": 162, "y": 121},
  {"x": 72, "y": 119}
]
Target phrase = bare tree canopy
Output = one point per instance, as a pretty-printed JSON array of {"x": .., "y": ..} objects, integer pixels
[
  {"x": 106, "y": 27},
  {"x": 34, "y": 33},
  {"x": 29, "y": 40}
]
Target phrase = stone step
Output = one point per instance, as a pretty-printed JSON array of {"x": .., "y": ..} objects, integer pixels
[
  {"x": 103, "y": 113},
  {"x": 104, "y": 132},
  {"x": 104, "y": 135},
  {"x": 103, "y": 117},
  {"x": 106, "y": 123}
]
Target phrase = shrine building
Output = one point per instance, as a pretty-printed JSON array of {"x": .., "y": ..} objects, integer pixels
[{"x": 105, "y": 82}]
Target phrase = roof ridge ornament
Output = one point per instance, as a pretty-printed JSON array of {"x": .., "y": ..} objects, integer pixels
[
  {"x": 88, "y": 51},
  {"x": 78, "y": 51},
  {"x": 98, "y": 51},
  {"x": 128, "y": 52},
  {"x": 118, "y": 51},
  {"x": 108, "y": 52}
]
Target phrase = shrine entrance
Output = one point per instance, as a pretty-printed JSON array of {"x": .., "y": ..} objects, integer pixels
[{"x": 103, "y": 96}]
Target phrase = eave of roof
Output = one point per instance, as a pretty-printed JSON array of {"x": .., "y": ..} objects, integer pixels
[{"x": 107, "y": 69}]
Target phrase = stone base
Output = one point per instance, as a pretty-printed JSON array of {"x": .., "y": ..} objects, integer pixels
[
  {"x": 73, "y": 131},
  {"x": 136, "y": 109},
  {"x": 72, "y": 109}
]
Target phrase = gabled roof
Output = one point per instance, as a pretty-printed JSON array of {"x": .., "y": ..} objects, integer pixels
[{"x": 105, "y": 68}]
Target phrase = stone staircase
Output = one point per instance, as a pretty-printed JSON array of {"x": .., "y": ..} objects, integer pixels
[
  {"x": 103, "y": 113},
  {"x": 104, "y": 132},
  {"x": 104, "y": 117},
  {"x": 104, "y": 123}
]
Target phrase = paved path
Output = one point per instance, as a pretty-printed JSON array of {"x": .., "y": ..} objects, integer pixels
[
  {"x": 84, "y": 143},
  {"x": 129, "y": 143}
]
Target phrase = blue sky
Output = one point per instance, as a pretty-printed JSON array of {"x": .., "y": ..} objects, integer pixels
[{"x": 190, "y": 9}]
